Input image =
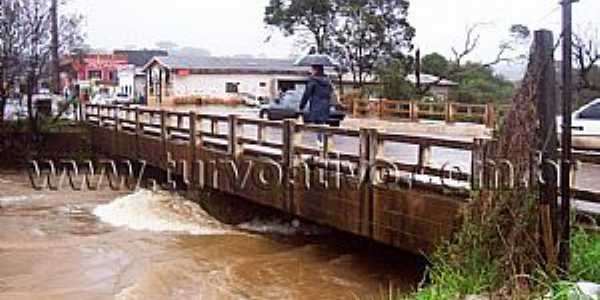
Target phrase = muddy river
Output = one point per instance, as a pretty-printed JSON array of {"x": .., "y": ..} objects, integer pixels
[{"x": 113, "y": 245}]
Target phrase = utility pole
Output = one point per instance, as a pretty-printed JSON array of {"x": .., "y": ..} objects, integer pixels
[
  {"x": 567, "y": 98},
  {"x": 55, "y": 67},
  {"x": 418, "y": 70}
]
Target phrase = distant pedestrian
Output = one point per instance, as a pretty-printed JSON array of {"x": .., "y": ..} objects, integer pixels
[{"x": 318, "y": 93}]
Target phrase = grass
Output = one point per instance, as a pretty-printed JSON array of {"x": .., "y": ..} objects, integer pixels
[
  {"x": 585, "y": 261},
  {"x": 478, "y": 276}
]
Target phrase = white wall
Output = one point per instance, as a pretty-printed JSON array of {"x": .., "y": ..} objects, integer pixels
[
  {"x": 126, "y": 77},
  {"x": 214, "y": 84}
]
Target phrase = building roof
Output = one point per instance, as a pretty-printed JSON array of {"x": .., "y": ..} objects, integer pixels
[
  {"x": 212, "y": 63},
  {"x": 139, "y": 58},
  {"x": 430, "y": 79}
]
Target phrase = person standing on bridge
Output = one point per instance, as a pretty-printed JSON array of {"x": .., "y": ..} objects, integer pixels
[{"x": 318, "y": 92}]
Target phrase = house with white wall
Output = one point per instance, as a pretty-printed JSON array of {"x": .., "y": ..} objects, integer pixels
[
  {"x": 131, "y": 77},
  {"x": 172, "y": 77}
]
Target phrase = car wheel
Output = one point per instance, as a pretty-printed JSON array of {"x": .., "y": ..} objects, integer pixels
[{"x": 263, "y": 114}]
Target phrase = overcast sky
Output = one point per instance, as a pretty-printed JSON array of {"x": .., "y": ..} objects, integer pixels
[{"x": 230, "y": 27}]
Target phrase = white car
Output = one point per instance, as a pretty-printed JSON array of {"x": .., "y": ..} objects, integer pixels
[
  {"x": 249, "y": 100},
  {"x": 586, "y": 126},
  {"x": 121, "y": 98},
  {"x": 102, "y": 99}
]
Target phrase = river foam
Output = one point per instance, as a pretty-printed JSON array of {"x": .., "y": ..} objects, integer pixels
[{"x": 161, "y": 212}]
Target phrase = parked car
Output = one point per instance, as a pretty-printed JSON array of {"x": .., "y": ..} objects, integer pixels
[
  {"x": 288, "y": 107},
  {"x": 249, "y": 99},
  {"x": 102, "y": 99},
  {"x": 122, "y": 98},
  {"x": 586, "y": 126}
]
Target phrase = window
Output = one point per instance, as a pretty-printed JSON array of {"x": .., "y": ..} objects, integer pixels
[
  {"x": 231, "y": 87},
  {"x": 262, "y": 84},
  {"x": 592, "y": 112},
  {"x": 94, "y": 74}
]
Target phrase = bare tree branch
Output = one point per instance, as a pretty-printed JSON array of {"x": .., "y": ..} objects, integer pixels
[
  {"x": 471, "y": 43},
  {"x": 586, "y": 52}
]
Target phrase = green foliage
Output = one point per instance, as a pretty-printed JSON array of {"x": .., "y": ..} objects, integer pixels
[
  {"x": 478, "y": 275},
  {"x": 435, "y": 64},
  {"x": 371, "y": 32},
  {"x": 314, "y": 16},
  {"x": 393, "y": 78},
  {"x": 450, "y": 280},
  {"x": 585, "y": 261},
  {"x": 359, "y": 33},
  {"x": 479, "y": 84}
]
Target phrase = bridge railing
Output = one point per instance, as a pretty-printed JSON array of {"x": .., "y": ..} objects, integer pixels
[
  {"x": 589, "y": 158},
  {"x": 291, "y": 143},
  {"x": 412, "y": 110}
]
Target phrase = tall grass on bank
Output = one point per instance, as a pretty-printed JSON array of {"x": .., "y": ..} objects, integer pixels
[
  {"x": 585, "y": 261},
  {"x": 478, "y": 276}
]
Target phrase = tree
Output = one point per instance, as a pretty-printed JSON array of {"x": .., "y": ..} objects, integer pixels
[
  {"x": 393, "y": 80},
  {"x": 33, "y": 35},
  {"x": 55, "y": 69},
  {"x": 317, "y": 17},
  {"x": 11, "y": 45},
  {"x": 586, "y": 54},
  {"x": 435, "y": 64},
  {"x": 477, "y": 83},
  {"x": 372, "y": 32},
  {"x": 508, "y": 50}
]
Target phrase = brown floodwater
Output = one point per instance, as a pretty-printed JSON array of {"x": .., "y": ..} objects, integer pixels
[{"x": 113, "y": 245}]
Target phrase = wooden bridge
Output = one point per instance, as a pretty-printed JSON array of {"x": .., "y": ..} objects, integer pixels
[{"x": 365, "y": 188}]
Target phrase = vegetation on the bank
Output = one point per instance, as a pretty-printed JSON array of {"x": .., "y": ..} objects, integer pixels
[{"x": 455, "y": 275}]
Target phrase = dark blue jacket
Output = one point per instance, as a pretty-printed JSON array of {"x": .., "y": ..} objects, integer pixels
[{"x": 318, "y": 94}]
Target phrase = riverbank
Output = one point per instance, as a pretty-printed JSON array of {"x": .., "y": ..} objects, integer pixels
[
  {"x": 61, "y": 245},
  {"x": 479, "y": 276}
]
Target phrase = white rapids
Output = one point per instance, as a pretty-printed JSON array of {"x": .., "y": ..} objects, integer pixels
[{"x": 161, "y": 212}]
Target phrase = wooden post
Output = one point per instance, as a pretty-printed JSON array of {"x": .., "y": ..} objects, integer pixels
[
  {"x": 382, "y": 103},
  {"x": 375, "y": 147},
  {"x": 290, "y": 138},
  {"x": 193, "y": 150},
  {"x": 477, "y": 164},
  {"x": 364, "y": 170},
  {"x": 82, "y": 113},
  {"x": 138, "y": 132},
  {"x": 163, "y": 131},
  {"x": 234, "y": 148},
  {"x": 425, "y": 157},
  {"x": 449, "y": 112},
  {"x": 260, "y": 133},
  {"x": 117, "y": 116},
  {"x": 548, "y": 143},
  {"x": 490, "y": 115},
  {"x": 414, "y": 111},
  {"x": 214, "y": 126},
  {"x": 179, "y": 121},
  {"x": 325, "y": 149}
]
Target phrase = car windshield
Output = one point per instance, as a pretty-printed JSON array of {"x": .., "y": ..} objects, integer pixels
[
  {"x": 291, "y": 99},
  {"x": 592, "y": 112}
]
